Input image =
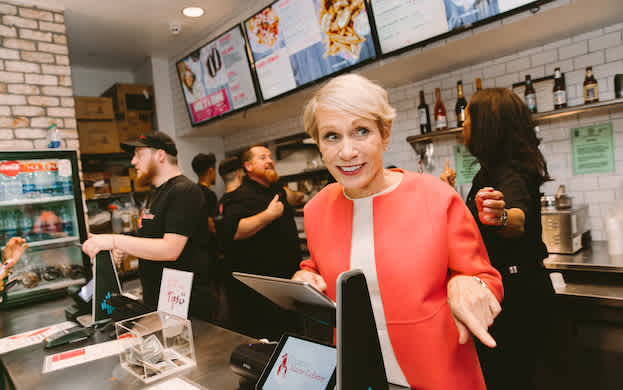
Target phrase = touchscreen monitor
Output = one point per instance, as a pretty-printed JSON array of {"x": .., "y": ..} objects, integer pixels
[{"x": 299, "y": 363}]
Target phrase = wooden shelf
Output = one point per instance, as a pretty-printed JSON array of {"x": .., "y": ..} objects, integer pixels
[
  {"x": 305, "y": 175},
  {"x": 541, "y": 116}
]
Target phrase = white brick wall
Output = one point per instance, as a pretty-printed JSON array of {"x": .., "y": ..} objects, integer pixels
[
  {"x": 35, "y": 78},
  {"x": 601, "y": 48}
]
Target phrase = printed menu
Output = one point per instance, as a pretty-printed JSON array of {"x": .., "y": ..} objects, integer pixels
[
  {"x": 296, "y": 42},
  {"x": 216, "y": 79},
  {"x": 401, "y": 23}
]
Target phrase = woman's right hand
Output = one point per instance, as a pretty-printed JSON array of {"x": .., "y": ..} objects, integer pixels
[
  {"x": 448, "y": 175},
  {"x": 312, "y": 278}
]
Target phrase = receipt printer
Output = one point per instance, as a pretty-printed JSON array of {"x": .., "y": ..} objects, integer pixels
[{"x": 249, "y": 360}]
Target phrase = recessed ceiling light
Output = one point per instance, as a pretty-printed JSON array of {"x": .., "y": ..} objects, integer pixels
[{"x": 193, "y": 12}]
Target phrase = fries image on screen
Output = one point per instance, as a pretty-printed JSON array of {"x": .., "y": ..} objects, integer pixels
[
  {"x": 337, "y": 21},
  {"x": 265, "y": 27}
]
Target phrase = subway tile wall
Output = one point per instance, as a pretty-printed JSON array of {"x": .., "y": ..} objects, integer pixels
[
  {"x": 601, "y": 48},
  {"x": 35, "y": 78}
]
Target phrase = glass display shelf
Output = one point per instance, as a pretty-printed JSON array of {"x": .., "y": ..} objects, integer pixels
[
  {"x": 46, "y": 285},
  {"x": 54, "y": 241},
  {"x": 47, "y": 199}
]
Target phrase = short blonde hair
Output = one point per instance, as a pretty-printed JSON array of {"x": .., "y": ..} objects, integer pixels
[{"x": 353, "y": 94}]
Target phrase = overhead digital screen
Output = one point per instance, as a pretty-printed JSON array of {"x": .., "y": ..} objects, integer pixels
[
  {"x": 403, "y": 23},
  {"x": 216, "y": 78},
  {"x": 296, "y": 42}
]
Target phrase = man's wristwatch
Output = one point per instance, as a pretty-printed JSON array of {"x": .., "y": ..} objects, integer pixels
[{"x": 504, "y": 219}]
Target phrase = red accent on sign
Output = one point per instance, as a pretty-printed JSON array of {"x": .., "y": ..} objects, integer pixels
[
  {"x": 39, "y": 332},
  {"x": 10, "y": 168},
  {"x": 68, "y": 355},
  {"x": 125, "y": 336}
]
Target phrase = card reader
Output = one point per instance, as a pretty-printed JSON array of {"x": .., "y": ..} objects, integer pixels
[{"x": 67, "y": 336}]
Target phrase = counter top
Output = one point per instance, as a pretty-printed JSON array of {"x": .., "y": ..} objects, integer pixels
[{"x": 595, "y": 258}]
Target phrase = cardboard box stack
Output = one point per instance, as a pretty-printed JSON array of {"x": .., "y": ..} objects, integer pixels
[
  {"x": 133, "y": 105},
  {"x": 96, "y": 126}
]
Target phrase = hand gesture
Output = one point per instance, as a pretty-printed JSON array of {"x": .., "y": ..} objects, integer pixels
[
  {"x": 490, "y": 204},
  {"x": 448, "y": 175},
  {"x": 312, "y": 278},
  {"x": 14, "y": 249},
  {"x": 473, "y": 307},
  {"x": 97, "y": 243},
  {"x": 274, "y": 209}
]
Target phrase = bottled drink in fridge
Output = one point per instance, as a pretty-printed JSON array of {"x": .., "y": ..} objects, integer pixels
[
  {"x": 63, "y": 178},
  {"x": 11, "y": 223},
  {"x": 28, "y": 180},
  {"x": 67, "y": 220},
  {"x": 441, "y": 120},
  {"x": 560, "y": 90},
  {"x": 26, "y": 225},
  {"x": 424, "y": 115},
  {"x": 591, "y": 92},
  {"x": 461, "y": 103},
  {"x": 530, "y": 94}
]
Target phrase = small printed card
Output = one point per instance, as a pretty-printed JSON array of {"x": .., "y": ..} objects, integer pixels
[{"x": 175, "y": 291}]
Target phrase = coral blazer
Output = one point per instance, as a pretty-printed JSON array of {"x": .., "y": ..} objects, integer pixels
[{"x": 423, "y": 235}]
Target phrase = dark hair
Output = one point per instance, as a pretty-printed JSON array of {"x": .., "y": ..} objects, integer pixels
[
  {"x": 202, "y": 162},
  {"x": 502, "y": 132},
  {"x": 229, "y": 165}
]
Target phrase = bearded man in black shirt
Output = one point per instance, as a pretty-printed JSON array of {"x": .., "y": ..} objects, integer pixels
[
  {"x": 170, "y": 226},
  {"x": 260, "y": 238}
]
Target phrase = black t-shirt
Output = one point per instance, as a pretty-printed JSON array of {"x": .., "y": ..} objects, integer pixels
[
  {"x": 274, "y": 250},
  {"x": 520, "y": 191},
  {"x": 211, "y": 200},
  {"x": 172, "y": 208}
]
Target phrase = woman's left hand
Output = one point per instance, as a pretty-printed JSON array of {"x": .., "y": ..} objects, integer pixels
[
  {"x": 490, "y": 204},
  {"x": 14, "y": 249},
  {"x": 473, "y": 307},
  {"x": 97, "y": 243}
]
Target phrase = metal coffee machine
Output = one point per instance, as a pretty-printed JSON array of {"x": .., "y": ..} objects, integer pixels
[{"x": 565, "y": 226}]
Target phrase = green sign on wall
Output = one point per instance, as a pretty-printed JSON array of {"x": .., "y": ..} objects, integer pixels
[
  {"x": 592, "y": 149},
  {"x": 466, "y": 164}
]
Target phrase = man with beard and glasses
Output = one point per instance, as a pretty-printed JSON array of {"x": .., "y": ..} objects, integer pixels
[
  {"x": 260, "y": 237},
  {"x": 170, "y": 227}
]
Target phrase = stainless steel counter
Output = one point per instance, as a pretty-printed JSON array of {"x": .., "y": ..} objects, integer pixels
[{"x": 595, "y": 258}]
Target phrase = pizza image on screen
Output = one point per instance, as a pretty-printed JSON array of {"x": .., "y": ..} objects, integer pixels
[{"x": 265, "y": 27}]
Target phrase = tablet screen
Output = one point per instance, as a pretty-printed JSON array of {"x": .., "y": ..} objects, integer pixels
[{"x": 300, "y": 364}]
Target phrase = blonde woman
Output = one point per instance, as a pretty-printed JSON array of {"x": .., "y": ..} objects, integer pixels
[{"x": 418, "y": 245}]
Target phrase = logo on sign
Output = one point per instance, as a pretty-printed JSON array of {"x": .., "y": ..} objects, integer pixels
[
  {"x": 10, "y": 168},
  {"x": 105, "y": 305},
  {"x": 283, "y": 366}
]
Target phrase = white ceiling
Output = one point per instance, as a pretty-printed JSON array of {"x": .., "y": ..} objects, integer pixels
[{"x": 121, "y": 34}]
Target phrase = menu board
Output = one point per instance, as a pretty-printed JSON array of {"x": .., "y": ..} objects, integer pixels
[
  {"x": 296, "y": 42},
  {"x": 402, "y": 23},
  {"x": 216, "y": 78}
]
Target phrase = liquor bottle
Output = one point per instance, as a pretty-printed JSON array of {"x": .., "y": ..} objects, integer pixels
[
  {"x": 424, "y": 115},
  {"x": 591, "y": 92},
  {"x": 441, "y": 120},
  {"x": 530, "y": 94},
  {"x": 478, "y": 84},
  {"x": 461, "y": 103},
  {"x": 560, "y": 90}
]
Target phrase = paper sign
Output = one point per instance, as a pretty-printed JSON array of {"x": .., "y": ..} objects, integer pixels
[
  {"x": 592, "y": 149},
  {"x": 175, "y": 384},
  {"x": 175, "y": 291},
  {"x": 32, "y": 337},
  {"x": 466, "y": 165},
  {"x": 83, "y": 355}
]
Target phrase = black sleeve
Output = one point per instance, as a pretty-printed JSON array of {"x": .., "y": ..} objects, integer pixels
[
  {"x": 182, "y": 216},
  {"x": 516, "y": 191},
  {"x": 211, "y": 203},
  {"x": 233, "y": 211}
]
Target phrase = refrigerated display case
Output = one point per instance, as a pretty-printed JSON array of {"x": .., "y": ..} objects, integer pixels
[{"x": 41, "y": 201}]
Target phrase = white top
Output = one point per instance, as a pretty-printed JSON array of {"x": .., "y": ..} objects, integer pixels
[{"x": 362, "y": 257}]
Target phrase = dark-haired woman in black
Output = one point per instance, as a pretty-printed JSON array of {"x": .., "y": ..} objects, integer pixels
[{"x": 505, "y": 201}]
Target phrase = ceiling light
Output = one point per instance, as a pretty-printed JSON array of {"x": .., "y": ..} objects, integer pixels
[{"x": 193, "y": 12}]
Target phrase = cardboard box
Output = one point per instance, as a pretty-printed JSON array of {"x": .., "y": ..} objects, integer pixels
[
  {"x": 131, "y": 97},
  {"x": 120, "y": 184},
  {"x": 91, "y": 108},
  {"x": 98, "y": 137},
  {"x": 131, "y": 130}
]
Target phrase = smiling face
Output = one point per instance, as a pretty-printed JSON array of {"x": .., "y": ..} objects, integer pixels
[
  {"x": 261, "y": 167},
  {"x": 352, "y": 149}
]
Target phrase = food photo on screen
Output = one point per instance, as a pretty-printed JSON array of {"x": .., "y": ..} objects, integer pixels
[
  {"x": 216, "y": 78},
  {"x": 297, "y": 42}
]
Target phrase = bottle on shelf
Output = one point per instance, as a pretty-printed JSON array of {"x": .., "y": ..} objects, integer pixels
[
  {"x": 591, "y": 91},
  {"x": 461, "y": 103},
  {"x": 26, "y": 225},
  {"x": 28, "y": 180},
  {"x": 478, "y": 84},
  {"x": 10, "y": 224},
  {"x": 64, "y": 185},
  {"x": 560, "y": 90},
  {"x": 441, "y": 120},
  {"x": 424, "y": 115},
  {"x": 64, "y": 214},
  {"x": 54, "y": 141},
  {"x": 530, "y": 94}
]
